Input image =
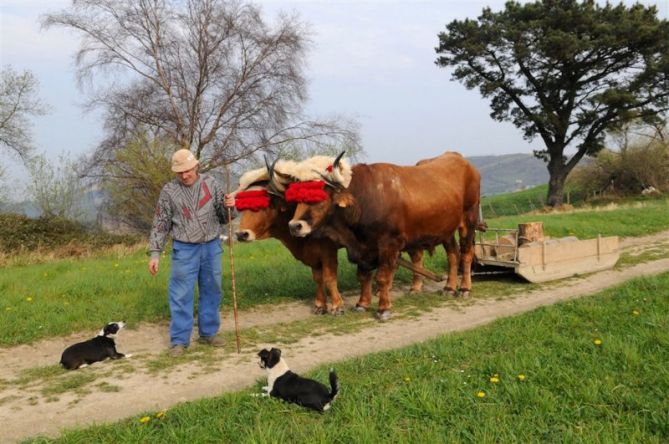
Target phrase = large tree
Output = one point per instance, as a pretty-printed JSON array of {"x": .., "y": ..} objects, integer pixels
[
  {"x": 209, "y": 75},
  {"x": 564, "y": 70},
  {"x": 18, "y": 102}
]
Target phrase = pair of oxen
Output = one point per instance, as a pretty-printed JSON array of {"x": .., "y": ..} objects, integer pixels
[{"x": 375, "y": 211}]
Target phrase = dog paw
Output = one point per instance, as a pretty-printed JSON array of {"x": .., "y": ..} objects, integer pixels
[{"x": 128, "y": 356}]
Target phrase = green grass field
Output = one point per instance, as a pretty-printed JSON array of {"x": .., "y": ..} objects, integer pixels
[
  {"x": 592, "y": 370},
  {"x": 66, "y": 296}
]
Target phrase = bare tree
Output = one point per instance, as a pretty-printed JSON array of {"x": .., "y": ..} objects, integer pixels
[
  {"x": 210, "y": 75},
  {"x": 3, "y": 189},
  {"x": 18, "y": 102}
]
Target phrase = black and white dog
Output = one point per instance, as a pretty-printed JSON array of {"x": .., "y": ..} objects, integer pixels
[
  {"x": 284, "y": 384},
  {"x": 97, "y": 349}
]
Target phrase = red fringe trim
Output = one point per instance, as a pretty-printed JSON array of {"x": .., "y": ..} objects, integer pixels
[
  {"x": 307, "y": 192},
  {"x": 252, "y": 200}
]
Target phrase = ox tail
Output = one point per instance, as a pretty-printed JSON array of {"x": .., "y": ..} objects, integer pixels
[
  {"x": 334, "y": 385},
  {"x": 480, "y": 223}
]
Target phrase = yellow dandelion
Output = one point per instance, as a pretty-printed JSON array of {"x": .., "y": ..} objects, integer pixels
[
  {"x": 494, "y": 379},
  {"x": 598, "y": 342},
  {"x": 160, "y": 414},
  {"x": 481, "y": 394},
  {"x": 407, "y": 379},
  {"x": 521, "y": 377},
  {"x": 29, "y": 299},
  {"x": 144, "y": 419},
  {"x": 636, "y": 312}
]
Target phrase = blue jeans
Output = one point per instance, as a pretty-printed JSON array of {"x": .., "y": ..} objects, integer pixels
[{"x": 191, "y": 262}]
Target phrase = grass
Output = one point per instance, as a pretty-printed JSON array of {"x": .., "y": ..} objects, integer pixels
[
  {"x": 53, "y": 379},
  {"x": 466, "y": 387},
  {"x": 73, "y": 295},
  {"x": 516, "y": 203},
  {"x": 634, "y": 219}
]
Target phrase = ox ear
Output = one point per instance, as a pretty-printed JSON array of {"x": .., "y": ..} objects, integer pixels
[
  {"x": 343, "y": 200},
  {"x": 347, "y": 202}
]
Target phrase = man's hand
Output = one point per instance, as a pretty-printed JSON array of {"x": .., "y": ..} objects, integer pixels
[
  {"x": 229, "y": 201},
  {"x": 153, "y": 266}
]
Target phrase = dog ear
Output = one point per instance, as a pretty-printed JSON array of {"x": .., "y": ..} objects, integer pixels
[
  {"x": 274, "y": 356},
  {"x": 111, "y": 329}
]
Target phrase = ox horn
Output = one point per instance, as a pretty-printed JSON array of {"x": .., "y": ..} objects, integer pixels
[
  {"x": 335, "y": 185},
  {"x": 270, "y": 168},
  {"x": 337, "y": 159},
  {"x": 271, "y": 189}
]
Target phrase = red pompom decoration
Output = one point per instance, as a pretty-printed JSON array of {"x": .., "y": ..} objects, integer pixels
[
  {"x": 306, "y": 192},
  {"x": 252, "y": 200},
  {"x": 329, "y": 168}
]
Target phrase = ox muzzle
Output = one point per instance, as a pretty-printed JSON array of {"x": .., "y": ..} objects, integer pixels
[
  {"x": 245, "y": 235},
  {"x": 299, "y": 228}
]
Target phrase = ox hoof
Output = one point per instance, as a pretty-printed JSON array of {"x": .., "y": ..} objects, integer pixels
[
  {"x": 464, "y": 293},
  {"x": 384, "y": 315},
  {"x": 319, "y": 310},
  {"x": 337, "y": 311},
  {"x": 359, "y": 308},
  {"x": 449, "y": 292},
  {"x": 415, "y": 290}
]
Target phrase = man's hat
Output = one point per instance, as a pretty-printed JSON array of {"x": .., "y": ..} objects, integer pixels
[{"x": 183, "y": 160}]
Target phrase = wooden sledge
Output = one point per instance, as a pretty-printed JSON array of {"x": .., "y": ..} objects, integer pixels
[{"x": 540, "y": 259}]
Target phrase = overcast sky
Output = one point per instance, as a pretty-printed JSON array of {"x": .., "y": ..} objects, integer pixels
[{"x": 371, "y": 59}]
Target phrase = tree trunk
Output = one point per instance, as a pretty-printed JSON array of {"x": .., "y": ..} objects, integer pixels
[{"x": 558, "y": 174}]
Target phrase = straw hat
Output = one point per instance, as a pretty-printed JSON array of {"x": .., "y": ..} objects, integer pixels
[{"x": 183, "y": 160}]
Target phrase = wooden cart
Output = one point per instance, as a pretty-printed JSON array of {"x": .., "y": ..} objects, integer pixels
[{"x": 539, "y": 259}]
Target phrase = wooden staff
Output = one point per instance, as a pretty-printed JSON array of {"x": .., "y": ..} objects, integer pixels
[{"x": 232, "y": 261}]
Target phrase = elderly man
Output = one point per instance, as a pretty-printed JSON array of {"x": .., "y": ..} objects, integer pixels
[{"x": 192, "y": 208}]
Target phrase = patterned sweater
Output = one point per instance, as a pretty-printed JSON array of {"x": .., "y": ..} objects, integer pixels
[{"x": 192, "y": 214}]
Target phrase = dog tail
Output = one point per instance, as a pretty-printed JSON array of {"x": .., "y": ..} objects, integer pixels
[{"x": 334, "y": 385}]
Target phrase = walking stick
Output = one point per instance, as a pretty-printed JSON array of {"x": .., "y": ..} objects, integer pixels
[{"x": 232, "y": 261}]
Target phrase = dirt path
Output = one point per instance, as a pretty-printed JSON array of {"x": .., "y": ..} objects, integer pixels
[{"x": 27, "y": 409}]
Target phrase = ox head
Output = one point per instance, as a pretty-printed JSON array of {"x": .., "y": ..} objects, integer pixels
[
  {"x": 260, "y": 202},
  {"x": 258, "y": 214},
  {"x": 321, "y": 192}
]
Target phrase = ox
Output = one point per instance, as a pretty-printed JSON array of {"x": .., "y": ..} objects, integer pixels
[
  {"x": 376, "y": 211},
  {"x": 265, "y": 214}
]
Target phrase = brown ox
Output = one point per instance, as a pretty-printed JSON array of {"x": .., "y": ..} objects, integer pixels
[
  {"x": 388, "y": 208},
  {"x": 318, "y": 254}
]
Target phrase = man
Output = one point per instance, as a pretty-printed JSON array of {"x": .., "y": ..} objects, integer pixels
[{"x": 192, "y": 207}]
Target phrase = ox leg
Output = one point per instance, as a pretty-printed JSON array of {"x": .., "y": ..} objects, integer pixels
[
  {"x": 417, "y": 281},
  {"x": 365, "y": 280},
  {"x": 451, "y": 247},
  {"x": 320, "y": 304},
  {"x": 384, "y": 280},
  {"x": 467, "y": 233},
  {"x": 330, "y": 281}
]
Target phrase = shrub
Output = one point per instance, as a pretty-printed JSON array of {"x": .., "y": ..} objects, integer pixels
[
  {"x": 624, "y": 173},
  {"x": 21, "y": 233}
]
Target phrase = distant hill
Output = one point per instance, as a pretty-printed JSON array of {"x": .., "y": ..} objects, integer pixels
[
  {"x": 499, "y": 174},
  {"x": 509, "y": 172}
]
